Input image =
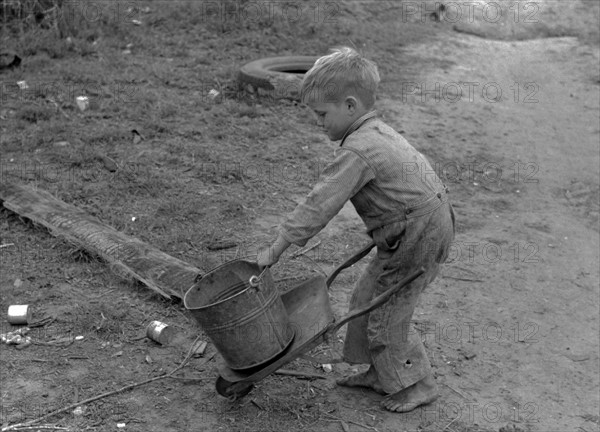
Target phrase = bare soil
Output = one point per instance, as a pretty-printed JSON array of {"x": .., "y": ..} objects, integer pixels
[{"x": 506, "y": 109}]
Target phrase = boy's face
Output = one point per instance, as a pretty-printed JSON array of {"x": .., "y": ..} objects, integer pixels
[{"x": 335, "y": 118}]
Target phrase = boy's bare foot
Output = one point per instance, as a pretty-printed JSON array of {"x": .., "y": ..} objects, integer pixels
[
  {"x": 365, "y": 379},
  {"x": 420, "y": 393}
]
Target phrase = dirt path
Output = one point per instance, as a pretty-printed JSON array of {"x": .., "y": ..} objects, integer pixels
[{"x": 544, "y": 298}]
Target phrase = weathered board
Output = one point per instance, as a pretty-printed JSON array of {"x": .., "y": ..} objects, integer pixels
[{"x": 161, "y": 272}]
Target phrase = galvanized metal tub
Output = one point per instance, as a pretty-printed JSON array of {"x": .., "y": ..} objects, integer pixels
[{"x": 248, "y": 324}]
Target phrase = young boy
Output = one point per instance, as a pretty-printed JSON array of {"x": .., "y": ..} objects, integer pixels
[{"x": 405, "y": 209}]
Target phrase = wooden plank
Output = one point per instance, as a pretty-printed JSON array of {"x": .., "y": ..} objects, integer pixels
[{"x": 161, "y": 272}]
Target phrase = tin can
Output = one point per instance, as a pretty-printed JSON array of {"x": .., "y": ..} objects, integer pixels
[
  {"x": 160, "y": 332},
  {"x": 19, "y": 314},
  {"x": 83, "y": 102}
]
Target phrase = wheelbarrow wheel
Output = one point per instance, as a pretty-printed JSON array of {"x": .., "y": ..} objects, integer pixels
[{"x": 231, "y": 390}]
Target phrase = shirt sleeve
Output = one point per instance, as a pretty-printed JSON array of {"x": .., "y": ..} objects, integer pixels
[{"x": 341, "y": 180}]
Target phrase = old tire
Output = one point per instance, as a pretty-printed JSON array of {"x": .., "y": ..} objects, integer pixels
[{"x": 278, "y": 77}]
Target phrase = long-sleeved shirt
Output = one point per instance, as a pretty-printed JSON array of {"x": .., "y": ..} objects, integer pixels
[{"x": 377, "y": 170}]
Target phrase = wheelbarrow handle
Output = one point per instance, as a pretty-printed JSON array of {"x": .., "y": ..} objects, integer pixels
[
  {"x": 350, "y": 261},
  {"x": 377, "y": 301}
]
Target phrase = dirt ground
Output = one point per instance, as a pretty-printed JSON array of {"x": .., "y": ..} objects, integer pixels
[{"x": 506, "y": 107}]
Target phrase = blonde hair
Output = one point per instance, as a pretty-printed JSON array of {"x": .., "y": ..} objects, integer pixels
[{"x": 343, "y": 72}]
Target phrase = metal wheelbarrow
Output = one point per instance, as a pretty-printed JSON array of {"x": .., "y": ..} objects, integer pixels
[{"x": 311, "y": 318}]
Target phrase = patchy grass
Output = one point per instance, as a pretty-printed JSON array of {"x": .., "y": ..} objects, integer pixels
[{"x": 220, "y": 158}]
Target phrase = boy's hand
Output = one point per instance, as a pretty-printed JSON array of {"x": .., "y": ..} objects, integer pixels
[
  {"x": 270, "y": 255},
  {"x": 266, "y": 257}
]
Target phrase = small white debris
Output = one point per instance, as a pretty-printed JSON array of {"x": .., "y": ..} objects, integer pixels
[
  {"x": 16, "y": 337},
  {"x": 136, "y": 22},
  {"x": 475, "y": 184},
  {"x": 83, "y": 102},
  {"x": 78, "y": 411},
  {"x": 78, "y": 338},
  {"x": 327, "y": 367},
  {"x": 22, "y": 85},
  {"x": 121, "y": 425},
  {"x": 133, "y": 219},
  {"x": 215, "y": 95}
]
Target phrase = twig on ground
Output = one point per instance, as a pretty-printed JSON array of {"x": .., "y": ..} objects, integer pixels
[
  {"x": 350, "y": 421},
  {"x": 317, "y": 264},
  {"x": 221, "y": 245},
  {"x": 183, "y": 378},
  {"x": 102, "y": 321},
  {"x": 60, "y": 342},
  {"x": 305, "y": 250},
  {"x": 43, "y": 322},
  {"x": 462, "y": 279},
  {"x": 257, "y": 404},
  {"x": 466, "y": 270},
  {"x": 21, "y": 426},
  {"x": 458, "y": 392},
  {"x": 50, "y": 427},
  {"x": 58, "y": 108},
  {"x": 449, "y": 424},
  {"x": 285, "y": 279},
  {"x": 299, "y": 374}
]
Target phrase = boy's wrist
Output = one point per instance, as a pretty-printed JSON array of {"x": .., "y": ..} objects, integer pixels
[{"x": 279, "y": 246}]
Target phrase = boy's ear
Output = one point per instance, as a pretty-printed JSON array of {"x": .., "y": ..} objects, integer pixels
[{"x": 351, "y": 104}]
